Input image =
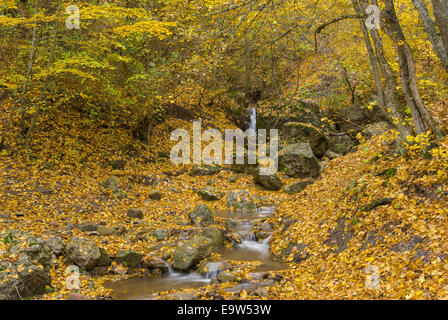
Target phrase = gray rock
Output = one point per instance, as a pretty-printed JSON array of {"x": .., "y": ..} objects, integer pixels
[
  {"x": 341, "y": 144},
  {"x": 298, "y": 161},
  {"x": 305, "y": 132},
  {"x": 135, "y": 213},
  {"x": 155, "y": 195},
  {"x": 56, "y": 245},
  {"x": 87, "y": 227},
  {"x": 112, "y": 183},
  {"x": 205, "y": 170},
  {"x": 192, "y": 252},
  {"x": 161, "y": 234},
  {"x": 215, "y": 234},
  {"x": 129, "y": 258},
  {"x": 84, "y": 253},
  {"x": 377, "y": 128},
  {"x": 22, "y": 279},
  {"x": 227, "y": 277},
  {"x": 297, "y": 186},
  {"x": 104, "y": 231},
  {"x": 201, "y": 215},
  {"x": 240, "y": 200},
  {"x": 270, "y": 182},
  {"x": 210, "y": 194},
  {"x": 152, "y": 263}
]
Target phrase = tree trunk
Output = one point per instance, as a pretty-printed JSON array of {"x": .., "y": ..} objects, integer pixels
[
  {"x": 408, "y": 72},
  {"x": 45, "y": 85},
  {"x": 433, "y": 35},
  {"x": 390, "y": 82},
  {"x": 441, "y": 13}
]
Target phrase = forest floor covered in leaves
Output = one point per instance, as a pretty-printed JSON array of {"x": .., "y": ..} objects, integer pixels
[{"x": 372, "y": 213}]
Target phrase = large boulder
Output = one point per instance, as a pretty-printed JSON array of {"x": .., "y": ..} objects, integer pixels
[
  {"x": 297, "y": 187},
  {"x": 215, "y": 234},
  {"x": 270, "y": 182},
  {"x": 192, "y": 252},
  {"x": 299, "y": 161},
  {"x": 201, "y": 215},
  {"x": 304, "y": 132},
  {"x": 22, "y": 279},
  {"x": 129, "y": 258},
  {"x": 377, "y": 128},
  {"x": 85, "y": 254},
  {"x": 210, "y": 194},
  {"x": 341, "y": 144}
]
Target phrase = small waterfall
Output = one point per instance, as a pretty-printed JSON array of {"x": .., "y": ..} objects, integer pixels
[{"x": 253, "y": 120}]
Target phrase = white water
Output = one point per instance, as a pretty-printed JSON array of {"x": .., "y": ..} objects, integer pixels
[
  {"x": 248, "y": 250},
  {"x": 253, "y": 119}
]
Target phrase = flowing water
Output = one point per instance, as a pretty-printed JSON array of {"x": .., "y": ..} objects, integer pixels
[
  {"x": 248, "y": 250},
  {"x": 253, "y": 119}
]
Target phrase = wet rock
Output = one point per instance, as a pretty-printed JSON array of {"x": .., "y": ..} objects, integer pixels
[
  {"x": 297, "y": 187},
  {"x": 270, "y": 182},
  {"x": 210, "y": 270},
  {"x": 227, "y": 277},
  {"x": 205, "y": 170},
  {"x": 240, "y": 200},
  {"x": 192, "y": 252},
  {"x": 129, "y": 258},
  {"x": 135, "y": 213},
  {"x": 201, "y": 215},
  {"x": 210, "y": 194},
  {"x": 215, "y": 235},
  {"x": 155, "y": 195},
  {"x": 152, "y": 263},
  {"x": 298, "y": 161},
  {"x": 112, "y": 183},
  {"x": 85, "y": 254},
  {"x": 161, "y": 234}
]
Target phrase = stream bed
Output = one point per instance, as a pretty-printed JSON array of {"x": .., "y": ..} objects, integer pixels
[{"x": 139, "y": 288}]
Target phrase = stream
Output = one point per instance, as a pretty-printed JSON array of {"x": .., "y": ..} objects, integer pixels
[{"x": 249, "y": 249}]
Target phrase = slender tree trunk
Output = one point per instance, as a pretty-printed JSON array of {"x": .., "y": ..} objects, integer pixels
[
  {"x": 20, "y": 100},
  {"x": 34, "y": 45},
  {"x": 45, "y": 85},
  {"x": 433, "y": 35}
]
